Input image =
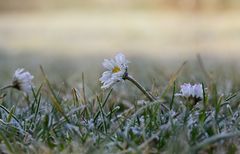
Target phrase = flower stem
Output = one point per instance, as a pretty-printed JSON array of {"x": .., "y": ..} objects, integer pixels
[
  {"x": 144, "y": 91},
  {"x": 5, "y": 87}
]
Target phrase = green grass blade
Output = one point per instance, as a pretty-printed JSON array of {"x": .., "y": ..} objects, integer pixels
[{"x": 53, "y": 97}]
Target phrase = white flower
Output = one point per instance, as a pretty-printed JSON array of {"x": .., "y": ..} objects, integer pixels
[
  {"x": 22, "y": 80},
  {"x": 191, "y": 91},
  {"x": 116, "y": 69}
]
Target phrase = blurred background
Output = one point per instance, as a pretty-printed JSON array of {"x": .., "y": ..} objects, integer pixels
[
  {"x": 34, "y": 32},
  {"x": 155, "y": 28}
]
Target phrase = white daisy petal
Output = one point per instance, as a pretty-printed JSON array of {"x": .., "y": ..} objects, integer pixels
[
  {"x": 107, "y": 64},
  {"x": 120, "y": 58},
  {"x": 106, "y": 75},
  {"x": 198, "y": 90}
]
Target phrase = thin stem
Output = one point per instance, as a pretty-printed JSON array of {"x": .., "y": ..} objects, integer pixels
[
  {"x": 214, "y": 139},
  {"x": 5, "y": 87},
  {"x": 147, "y": 94},
  {"x": 144, "y": 91}
]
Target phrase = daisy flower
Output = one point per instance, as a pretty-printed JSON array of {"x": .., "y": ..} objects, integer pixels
[
  {"x": 189, "y": 91},
  {"x": 22, "y": 80},
  {"x": 116, "y": 70}
]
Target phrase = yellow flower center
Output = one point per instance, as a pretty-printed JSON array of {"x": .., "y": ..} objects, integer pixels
[{"x": 116, "y": 69}]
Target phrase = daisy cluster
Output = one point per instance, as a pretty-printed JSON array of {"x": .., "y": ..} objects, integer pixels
[{"x": 116, "y": 71}]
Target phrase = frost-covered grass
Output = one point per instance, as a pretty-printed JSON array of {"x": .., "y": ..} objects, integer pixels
[{"x": 71, "y": 114}]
